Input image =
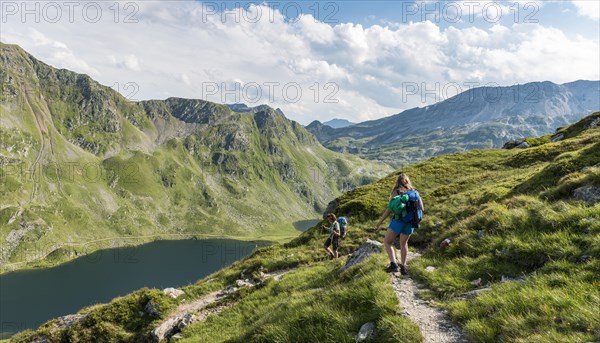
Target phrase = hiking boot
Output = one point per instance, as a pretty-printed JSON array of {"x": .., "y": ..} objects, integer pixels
[
  {"x": 403, "y": 270},
  {"x": 392, "y": 268}
]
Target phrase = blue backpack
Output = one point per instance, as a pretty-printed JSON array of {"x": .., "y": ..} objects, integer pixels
[
  {"x": 343, "y": 221},
  {"x": 413, "y": 213}
]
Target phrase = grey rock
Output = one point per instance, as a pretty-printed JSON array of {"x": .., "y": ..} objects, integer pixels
[
  {"x": 228, "y": 291},
  {"x": 480, "y": 233},
  {"x": 584, "y": 258},
  {"x": 437, "y": 224},
  {"x": 66, "y": 322},
  {"x": 368, "y": 248},
  {"x": 509, "y": 279},
  {"x": 165, "y": 329},
  {"x": 152, "y": 309},
  {"x": 186, "y": 320},
  {"x": 173, "y": 292},
  {"x": 588, "y": 220},
  {"x": 512, "y": 144},
  {"x": 523, "y": 145},
  {"x": 518, "y": 144},
  {"x": 558, "y": 137},
  {"x": 367, "y": 330},
  {"x": 173, "y": 325},
  {"x": 589, "y": 194},
  {"x": 585, "y": 169},
  {"x": 243, "y": 283},
  {"x": 243, "y": 273},
  {"x": 594, "y": 123},
  {"x": 430, "y": 269},
  {"x": 472, "y": 294}
]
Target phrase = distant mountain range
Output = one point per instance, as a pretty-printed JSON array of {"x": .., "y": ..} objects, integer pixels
[
  {"x": 481, "y": 117},
  {"x": 338, "y": 123},
  {"x": 80, "y": 163}
]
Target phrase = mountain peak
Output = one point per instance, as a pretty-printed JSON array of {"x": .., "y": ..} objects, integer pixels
[{"x": 337, "y": 123}]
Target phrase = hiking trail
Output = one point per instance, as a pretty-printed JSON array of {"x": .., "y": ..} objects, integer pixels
[
  {"x": 435, "y": 324},
  {"x": 199, "y": 309}
]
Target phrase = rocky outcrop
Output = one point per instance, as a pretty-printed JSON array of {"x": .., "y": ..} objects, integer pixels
[
  {"x": 518, "y": 144},
  {"x": 152, "y": 309},
  {"x": 589, "y": 194},
  {"x": 557, "y": 137},
  {"x": 367, "y": 331},
  {"x": 65, "y": 322},
  {"x": 173, "y": 325},
  {"x": 173, "y": 292},
  {"x": 166, "y": 329},
  {"x": 365, "y": 250}
]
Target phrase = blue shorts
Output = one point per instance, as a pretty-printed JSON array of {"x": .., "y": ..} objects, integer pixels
[{"x": 399, "y": 227}]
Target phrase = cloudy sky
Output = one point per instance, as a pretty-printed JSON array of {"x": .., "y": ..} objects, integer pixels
[{"x": 314, "y": 60}]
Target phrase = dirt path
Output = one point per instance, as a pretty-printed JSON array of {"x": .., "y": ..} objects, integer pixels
[
  {"x": 434, "y": 323},
  {"x": 197, "y": 311},
  {"x": 197, "y": 305}
]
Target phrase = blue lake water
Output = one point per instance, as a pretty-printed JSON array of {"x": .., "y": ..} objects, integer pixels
[{"x": 29, "y": 298}]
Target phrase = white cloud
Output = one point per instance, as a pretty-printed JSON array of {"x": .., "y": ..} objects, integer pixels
[
  {"x": 131, "y": 62},
  {"x": 54, "y": 52},
  {"x": 181, "y": 49},
  {"x": 588, "y": 8}
]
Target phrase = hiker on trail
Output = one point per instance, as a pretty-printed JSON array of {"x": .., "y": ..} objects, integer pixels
[
  {"x": 334, "y": 236},
  {"x": 406, "y": 206}
]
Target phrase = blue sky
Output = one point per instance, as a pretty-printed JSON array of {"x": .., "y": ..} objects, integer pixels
[
  {"x": 562, "y": 14},
  {"x": 315, "y": 60}
]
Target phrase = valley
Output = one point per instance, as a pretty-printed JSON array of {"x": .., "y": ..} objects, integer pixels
[{"x": 84, "y": 169}]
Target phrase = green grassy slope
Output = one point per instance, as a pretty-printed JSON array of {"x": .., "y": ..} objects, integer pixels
[
  {"x": 511, "y": 214},
  {"x": 83, "y": 168}
]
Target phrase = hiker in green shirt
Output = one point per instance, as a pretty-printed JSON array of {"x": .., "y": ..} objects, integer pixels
[
  {"x": 334, "y": 236},
  {"x": 403, "y": 223}
]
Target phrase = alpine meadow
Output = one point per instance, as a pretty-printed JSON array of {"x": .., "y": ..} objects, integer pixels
[{"x": 300, "y": 172}]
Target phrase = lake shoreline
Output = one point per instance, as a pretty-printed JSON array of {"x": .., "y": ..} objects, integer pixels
[
  {"x": 66, "y": 252},
  {"x": 109, "y": 273}
]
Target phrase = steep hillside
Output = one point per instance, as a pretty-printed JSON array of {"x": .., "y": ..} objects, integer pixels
[
  {"x": 525, "y": 229},
  {"x": 483, "y": 117},
  {"x": 84, "y": 168}
]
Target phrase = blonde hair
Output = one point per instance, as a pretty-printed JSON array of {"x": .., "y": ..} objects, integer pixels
[{"x": 403, "y": 181}]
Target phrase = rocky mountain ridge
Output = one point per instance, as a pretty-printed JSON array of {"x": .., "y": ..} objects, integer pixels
[{"x": 483, "y": 117}]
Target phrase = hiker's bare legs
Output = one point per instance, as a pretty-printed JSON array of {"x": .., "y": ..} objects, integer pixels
[
  {"x": 387, "y": 242},
  {"x": 328, "y": 249},
  {"x": 403, "y": 248}
]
